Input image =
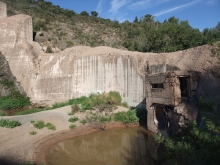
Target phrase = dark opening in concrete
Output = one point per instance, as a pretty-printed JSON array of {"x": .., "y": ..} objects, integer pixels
[
  {"x": 184, "y": 86},
  {"x": 34, "y": 35},
  {"x": 157, "y": 85},
  {"x": 163, "y": 113}
]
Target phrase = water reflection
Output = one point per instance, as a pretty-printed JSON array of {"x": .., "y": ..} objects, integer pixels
[{"x": 125, "y": 146}]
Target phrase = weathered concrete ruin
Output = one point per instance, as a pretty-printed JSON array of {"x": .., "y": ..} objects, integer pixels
[
  {"x": 82, "y": 70},
  {"x": 170, "y": 97}
]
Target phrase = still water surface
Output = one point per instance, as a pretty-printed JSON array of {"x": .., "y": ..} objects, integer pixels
[{"x": 123, "y": 146}]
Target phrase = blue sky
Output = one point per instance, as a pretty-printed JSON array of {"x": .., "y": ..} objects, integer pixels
[{"x": 199, "y": 13}]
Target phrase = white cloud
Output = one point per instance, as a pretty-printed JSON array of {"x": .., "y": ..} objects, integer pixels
[
  {"x": 117, "y": 4},
  {"x": 140, "y": 4},
  {"x": 99, "y": 7},
  {"x": 144, "y": 4},
  {"x": 162, "y": 1},
  {"x": 176, "y": 8},
  {"x": 212, "y": 2}
]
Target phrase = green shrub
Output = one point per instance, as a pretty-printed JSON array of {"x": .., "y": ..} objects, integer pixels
[
  {"x": 72, "y": 126},
  {"x": 83, "y": 121},
  {"x": 59, "y": 105},
  {"x": 73, "y": 119},
  {"x": 126, "y": 117},
  {"x": 7, "y": 83},
  {"x": 32, "y": 133},
  {"x": 115, "y": 97},
  {"x": 32, "y": 121},
  {"x": 29, "y": 111},
  {"x": 39, "y": 124},
  {"x": 50, "y": 126},
  {"x": 14, "y": 100},
  {"x": 124, "y": 104},
  {"x": 105, "y": 119},
  {"x": 9, "y": 123},
  {"x": 2, "y": 113}
]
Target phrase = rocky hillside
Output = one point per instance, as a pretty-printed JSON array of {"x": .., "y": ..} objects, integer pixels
[{"x": 57, "y": 29}]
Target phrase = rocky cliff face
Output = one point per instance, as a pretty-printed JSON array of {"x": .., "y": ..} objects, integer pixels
[
  {"x": 5, "y": 74},
  {"x": 77, "y": 71}
]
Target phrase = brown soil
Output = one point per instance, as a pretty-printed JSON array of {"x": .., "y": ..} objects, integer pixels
[{"x": 17, "y": 146}]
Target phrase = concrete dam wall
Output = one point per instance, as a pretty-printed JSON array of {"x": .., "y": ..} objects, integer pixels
[
  {"x": 62, "y": 78},
  {"x": 82, "y": 70}
]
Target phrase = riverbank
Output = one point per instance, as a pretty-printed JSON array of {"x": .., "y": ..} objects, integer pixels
[{"x": 17, "y": 146}]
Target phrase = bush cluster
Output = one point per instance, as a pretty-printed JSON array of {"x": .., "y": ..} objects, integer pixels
[
  {"x": 84, "y": 121},
  {"x": 33, "y": 133},
  {"x": 41, "y": 124},
  {"x": 126, "y": 117},
  {"x": 15, "y": 100},
  {"x": 29, "y": 111},
  {"x": 73, "y": 119},
  {"x": 50, "y": 126},
  {"x": 72, "y": 126},
  {"x": 9, "y": 123},
  {"x": 197, "y": 143}
]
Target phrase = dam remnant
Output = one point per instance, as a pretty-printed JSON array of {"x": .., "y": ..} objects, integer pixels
[
  {"x": 170, "y": 97},
  {"x": 82, "y": 70}
]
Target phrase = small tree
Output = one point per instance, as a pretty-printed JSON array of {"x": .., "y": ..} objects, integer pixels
[
  {"x": 94, "y": 14},
  {"x": 84, "y": 13},
  {"x": 136, "y": 20}
]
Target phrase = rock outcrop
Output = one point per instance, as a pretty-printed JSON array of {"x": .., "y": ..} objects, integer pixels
[
  {"x": 82, "y": 70},
  {"x": 6, "y": 75}
]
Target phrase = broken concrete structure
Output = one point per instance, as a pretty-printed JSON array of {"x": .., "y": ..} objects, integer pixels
[
  {"x": 82, "y": 70},
  {"x": 3, "y": 10},
  {"x": 168, "y": 91}
]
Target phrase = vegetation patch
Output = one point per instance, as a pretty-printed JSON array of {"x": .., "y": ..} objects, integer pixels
[
  {"x": 105, "y": 119},
  {"x": 197, "y": 144},
  {"x": 33, "y": 133},
  {"x": 2, "y": 113},
  {"x": 29, "y": 111},
  {"x": 84, "y": 121},
  {"x": 50, "y": 126},
  {"x": 39, "y": 124},
  {"x": 73, "y": 119},
  {"x": 72, "y": 126},
  {"x": 9, "y": 123},
  {"x": 15, "y": 100},
  {"x": 126, "y": 117}
]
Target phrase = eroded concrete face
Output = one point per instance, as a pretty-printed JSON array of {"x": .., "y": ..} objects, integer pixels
[
  {"x": 3, "y": 10},
  {"x": 170, "y": 98},
  {"x": 64, "y": 77}
]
